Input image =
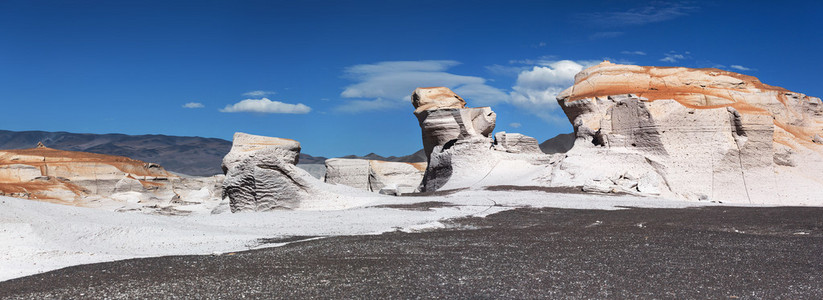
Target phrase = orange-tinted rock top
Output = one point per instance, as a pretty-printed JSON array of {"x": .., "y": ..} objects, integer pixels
[
  {"x": 700, "y": 89},
  {"x": 42, "y": 156},
  {"x": 58, "y": 175},
  {"x": 694, "y": 88},
  {"x": 428, "y": 98}
]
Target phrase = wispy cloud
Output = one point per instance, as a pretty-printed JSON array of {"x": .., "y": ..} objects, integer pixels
[
  {"x": 515, "y": 125},
  {"x": 633, "y": 52},
  {"x": 674, "y": 57},
  {"x": 605, "y": 35},
  {"x": 741, "y": 68},
  {"x": 258, "y": 93},
  {"x": 193, "y": 105},
  {"x": 266, "y": 106},
  {"x": 652, "y": 13},
  {"x": 506, "y": 70},
  {"x": 388, "y": 84}
]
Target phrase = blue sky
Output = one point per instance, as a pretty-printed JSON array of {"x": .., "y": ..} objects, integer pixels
[{"x": 337, "y": 76}]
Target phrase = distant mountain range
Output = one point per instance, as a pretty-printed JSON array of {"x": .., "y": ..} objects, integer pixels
[{"x": 188, "y": 155}]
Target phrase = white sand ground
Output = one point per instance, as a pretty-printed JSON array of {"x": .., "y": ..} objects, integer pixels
[{"x": 37, "y": 237}]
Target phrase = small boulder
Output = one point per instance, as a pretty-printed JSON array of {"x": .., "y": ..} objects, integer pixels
[{"x": 516, "y": 143}]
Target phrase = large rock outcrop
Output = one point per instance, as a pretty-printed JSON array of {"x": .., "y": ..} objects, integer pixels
[
  {"x": 459, "y": 146},
  {"x": 443, "y": 118},
  {"x": 703, "y": 134},
  {"x": 261, "y": 175},
  {"x": 393, "y": 178},
  {"x": 98, "y": 180}
]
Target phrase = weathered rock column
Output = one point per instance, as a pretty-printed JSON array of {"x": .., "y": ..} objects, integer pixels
[{"x": 261, "y": 174}]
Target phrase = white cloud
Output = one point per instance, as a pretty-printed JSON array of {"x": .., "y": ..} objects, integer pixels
[
  {"x": 739, "y": 67},
  {"x": 515, "y": 125},
  {"x": 536, "y": 90},
  {"x": 258, "y": 93},
  {"x": 390, "y": 84},
  {"x": 193, "y": 105},
  {"x": 266, "y": 106},
  {"x": 633, "y": 52},
  {"x": 673, "y": 57}
]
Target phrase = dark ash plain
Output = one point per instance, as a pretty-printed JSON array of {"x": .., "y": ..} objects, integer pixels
[{"x": 710, "y": 252}]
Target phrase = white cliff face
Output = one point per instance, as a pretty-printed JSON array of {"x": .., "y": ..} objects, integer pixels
[
  {"x": 701, "y": 134},
  {"x": 460, "y": 149},
  {"x": 393, "y": 178}
]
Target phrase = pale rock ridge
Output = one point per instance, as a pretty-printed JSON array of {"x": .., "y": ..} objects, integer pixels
[
  {"x": 103, "y": 181},
  {"x": 702, "y": 134},
  {"x": 393, "y": 178},
  {"x": 460, "y": 149}
]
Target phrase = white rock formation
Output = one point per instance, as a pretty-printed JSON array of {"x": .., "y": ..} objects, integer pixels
[
  {"x": 461, "y": 152},
  {"x": 701, "y": 134},
  {"x": 261, "y": 174},
  {"x": 515, "y": 143},
  {"x": 350, "y": 172},
  {"x": 394, "y": 178}
]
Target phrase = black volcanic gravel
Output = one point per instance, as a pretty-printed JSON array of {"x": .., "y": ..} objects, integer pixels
[{"x": 717, "y": 252}]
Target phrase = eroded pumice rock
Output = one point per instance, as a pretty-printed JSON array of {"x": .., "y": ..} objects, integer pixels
[
  {"x": 443, "y": 117},
  {"x": 261, "y": 174},
  {"x": 698, "y": 133},
  {"x": 516, "y": 143},
  {"x": 460, "y": 149},
  {"x": 392, "y": 178}
]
